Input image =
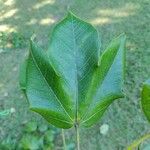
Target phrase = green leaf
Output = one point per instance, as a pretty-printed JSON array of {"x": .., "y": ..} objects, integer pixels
[
  {"x": 138, "y": 142},
  {"x": 31, "y": 127},
  {"x": 145, "y": 100},
  {"x": 48, "y": 137},
  {"x": 107, "y": 81},
  {"x": 72, "y": 82},
  {"x": 29, "y": 142},
  {"x": 4, "y": 113},
  {"x": 43, "y": 86}
]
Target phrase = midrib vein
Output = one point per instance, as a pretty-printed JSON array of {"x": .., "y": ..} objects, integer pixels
[{"x": 76, "y": 71}]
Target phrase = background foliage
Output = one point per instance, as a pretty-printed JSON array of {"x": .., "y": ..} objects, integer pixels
[{"x": 124, "y": 119}]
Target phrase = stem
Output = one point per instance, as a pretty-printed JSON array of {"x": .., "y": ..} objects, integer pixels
[
  {"x": 77, "y": 137},
  {"x": 138, "y": 142},
  {"x": 63, "y": 138}
]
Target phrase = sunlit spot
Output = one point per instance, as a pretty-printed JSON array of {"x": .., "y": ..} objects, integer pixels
[
  {"x": 43, "y": 3},
  {"x": 9, "y": 2},
  {"x": 102, "y": 20},
  {"x": 7, "y": 28},
  {"x": 9, "y": 14},
  {"x": 46, "y": 21},
  {"x": 113, "y": 15}
]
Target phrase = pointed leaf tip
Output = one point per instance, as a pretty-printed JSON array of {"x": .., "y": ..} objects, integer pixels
[{"x": 71, "y": 15}]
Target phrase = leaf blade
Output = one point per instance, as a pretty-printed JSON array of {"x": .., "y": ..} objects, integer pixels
[
  {"x": 107, "y": 81},
  {"x": 71, "y": 82},
  {"x": 71, "y": 57},
  {"x": 41, "y": 95},
  {"x": 145, "y": 99}
]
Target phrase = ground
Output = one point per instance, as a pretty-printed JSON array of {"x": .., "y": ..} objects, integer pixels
[{"x": 19, "y": 19}]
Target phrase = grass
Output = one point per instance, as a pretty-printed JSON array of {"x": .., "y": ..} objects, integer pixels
[{"x": 125, "y": 118}]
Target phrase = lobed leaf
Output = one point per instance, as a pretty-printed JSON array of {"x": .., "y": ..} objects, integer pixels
[{"x": 72, "y": 82}]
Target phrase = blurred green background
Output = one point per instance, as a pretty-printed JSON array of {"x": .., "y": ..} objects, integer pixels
[{"x": 19, "y": 19}]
